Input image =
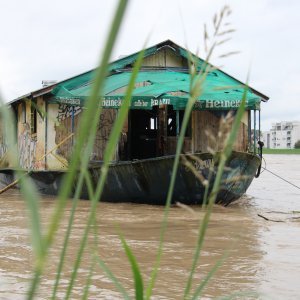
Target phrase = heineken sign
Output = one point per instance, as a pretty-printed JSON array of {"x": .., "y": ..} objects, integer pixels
[{"x": 145, "y": 102}]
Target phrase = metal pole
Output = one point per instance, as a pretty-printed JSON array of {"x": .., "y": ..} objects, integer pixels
[
  {"x": 259, "y": 131},
  {"x": 46, "y": 132},
  {"x": 73, "y": 123},
  {"x": 249, "y": 131},
  {"x": 254, "y": 135}
]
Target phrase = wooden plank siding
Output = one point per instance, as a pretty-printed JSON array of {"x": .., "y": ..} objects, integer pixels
[
  {"x": 107, "y": 119},
  {"x": 4, "y": 159},
  {"x": 206, "y": 125},
  {"x": 206, "y": 134},
  {"x": 165, "y": 58},
  {"x": 172, "y": 144},
  {"x": 26, "y": 139},
  {"x": 66, "y": 125}
]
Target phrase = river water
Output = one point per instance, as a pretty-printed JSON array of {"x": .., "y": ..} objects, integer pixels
[{"x": 263, "y": 260}]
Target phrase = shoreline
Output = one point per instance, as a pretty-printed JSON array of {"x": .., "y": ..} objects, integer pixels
[{"x": 281, "y": 151}]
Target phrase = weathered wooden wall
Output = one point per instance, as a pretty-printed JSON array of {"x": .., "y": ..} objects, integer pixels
[
  {"x": 67, "y": 124},
  {"x": 107, "y": 119},
  {"x": 172, "y": 144},
  {"x": 3, "y": 145},
  {"x": 4, "y": 159},
  {"x": 60, "y": 127},
  {"x": 206, "y": 133},
  {"x": 28, "y": 146},
  {"x": 26, "y": 140},
  {"x": 40, "y": 162},
  {"x": 241, "y": 143},
  {"x": 165, "y": 58},
  {"x": 58, "y": 118}
]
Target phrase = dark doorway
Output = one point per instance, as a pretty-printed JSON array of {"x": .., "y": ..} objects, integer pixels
[{"x": 143, "y": 133}]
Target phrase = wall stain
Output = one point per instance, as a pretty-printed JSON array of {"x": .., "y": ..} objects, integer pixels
[
  {"x": 27, "y": 148},
  {"x": 105, "y": 124}
]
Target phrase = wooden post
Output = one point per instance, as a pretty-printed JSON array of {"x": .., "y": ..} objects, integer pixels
[{"x": 162, "y": 130}]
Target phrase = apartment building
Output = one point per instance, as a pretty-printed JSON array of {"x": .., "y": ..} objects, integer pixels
[{"x": 283, "y": 135}]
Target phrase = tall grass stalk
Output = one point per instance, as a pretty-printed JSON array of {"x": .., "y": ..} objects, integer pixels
[
  {"x": 196, "y": 88},
  {"x": 194, "y": 94},
  {"x": 68, "y": 232},
  {"x": 138, "y": 280},
  {"x": 88, "y": 114},
  {"x": 28, "y": 189},
  {"x": 224, "y": 155},
  {"x": 113, "y": 278},
  {"x": 208, "y": 277},
  {"x": 109, "y": 151}
]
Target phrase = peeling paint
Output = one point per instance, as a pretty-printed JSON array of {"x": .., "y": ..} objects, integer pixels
[
  {"x": 106, "y": 122},
  {"x": 27, "y": 148}
]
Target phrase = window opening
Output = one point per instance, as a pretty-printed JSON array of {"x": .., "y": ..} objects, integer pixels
[
  {"x": 172, "y": 122},
  {"x": 153, "y": 123}
]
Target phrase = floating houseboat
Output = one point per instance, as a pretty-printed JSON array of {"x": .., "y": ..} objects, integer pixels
[{"x": 142, "y": 163}]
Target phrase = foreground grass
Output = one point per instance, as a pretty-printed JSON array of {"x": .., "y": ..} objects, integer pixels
[{"x": 281, "y": 151}]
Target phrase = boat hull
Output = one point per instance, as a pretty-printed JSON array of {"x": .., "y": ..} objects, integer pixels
[{"x": 147, "y": 181}]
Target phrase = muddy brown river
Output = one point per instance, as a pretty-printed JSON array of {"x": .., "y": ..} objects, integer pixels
[{"x": 263, "y": 260}]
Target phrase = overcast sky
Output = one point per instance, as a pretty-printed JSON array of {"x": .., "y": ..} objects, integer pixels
[{"x": 57, "y": 39}]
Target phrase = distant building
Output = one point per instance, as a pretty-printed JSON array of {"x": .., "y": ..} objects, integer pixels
[
  {"x": 266, "y": 137},
  {"x": 283, "y": 135}
]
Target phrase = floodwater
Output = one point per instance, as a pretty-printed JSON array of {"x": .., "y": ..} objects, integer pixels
[{"x": 263, "y": 260}]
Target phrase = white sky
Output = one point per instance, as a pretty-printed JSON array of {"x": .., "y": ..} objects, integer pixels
[{"x": 57, "y": 39}]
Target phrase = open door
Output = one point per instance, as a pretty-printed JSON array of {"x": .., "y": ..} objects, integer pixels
[
  {"x": 154, "y": 133},
  {"x": 143, "y": 126}
]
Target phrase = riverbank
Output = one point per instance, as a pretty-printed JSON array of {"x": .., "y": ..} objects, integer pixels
[{"x": 281, "y": 151}]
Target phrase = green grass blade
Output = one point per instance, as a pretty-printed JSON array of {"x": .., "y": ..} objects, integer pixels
[
  {"x": 225, "y": 154},
  {"x": 32, "y": 199},
  {"x": 168, "y": 204},
  {"x": 29, "y": 192},
  {"x": 109, "y": 151},
  {"x": 112, "y": 277},
  {"x": 88, "y": 115},
  {"x": 195, "y": 93},
  {"x": 89, "y": 183},
  {"x": 138, "y": 280},
  {"x": 67, "y": 236},
  {"x": 218, "y": 264},
  {"x": 9, "y": 121}
]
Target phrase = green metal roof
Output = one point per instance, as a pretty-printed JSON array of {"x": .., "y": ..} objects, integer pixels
[
  {"x": 158, "y": 86},
  {"x": 161, "y": 87}
]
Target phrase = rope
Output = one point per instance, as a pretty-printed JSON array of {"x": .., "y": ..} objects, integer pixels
[{"x": 281, "y": 178}]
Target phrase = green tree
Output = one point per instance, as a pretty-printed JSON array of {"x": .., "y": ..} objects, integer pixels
[{"x": 297, "y": 145}]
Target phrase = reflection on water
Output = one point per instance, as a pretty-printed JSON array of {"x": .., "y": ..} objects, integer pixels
[{"x": 263, "y": 255}]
